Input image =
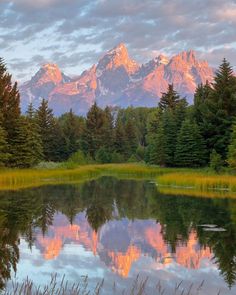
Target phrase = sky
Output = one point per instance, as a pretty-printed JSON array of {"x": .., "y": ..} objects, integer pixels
[{"x": 75, "y": 33}]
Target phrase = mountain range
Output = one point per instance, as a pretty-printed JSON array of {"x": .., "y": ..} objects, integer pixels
[{"x": 116, "y": 80}]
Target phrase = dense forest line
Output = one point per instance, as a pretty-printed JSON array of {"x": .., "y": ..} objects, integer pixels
[{"x": 173, "y": 134}]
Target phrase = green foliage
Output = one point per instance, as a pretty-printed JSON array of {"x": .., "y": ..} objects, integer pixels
[
  {"x": 93, "y": 135},
  {"x": 4, "y": 155},
  {"x": 26, "y": 149},
  {"x": 216, "y": 162},
  {"x": 215, "y": 109},
  {"x": 117, "y": 158},
  {"x": 190, "y": 149},
  {"x": 133, "y": 159},
  {"x": 103, "y": 156},
  {"x": 77, "y": 159},
  {"x": 46, "y": 122},
  {"x": 72, "y": 127},
  {"x": 232, "y": 149},
  {"x": 140, "y": 152},
  {"x": 170, "y": 99},
  {"x": 130, "y": 138}
]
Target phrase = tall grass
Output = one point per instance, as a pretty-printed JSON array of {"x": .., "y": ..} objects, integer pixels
[
  {"x": 200, "y": 181},
  {"x": 139, "y": 286},
  {"x": 17, "y": 179},
  {"x": 189, "y": 181}
]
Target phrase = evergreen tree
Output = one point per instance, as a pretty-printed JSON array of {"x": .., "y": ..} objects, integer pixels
[
  {"x": 47, "y": 129},
  {"x": 93, "y": 135},
  {"x": 25, "y": 147},
  {"x": 170, "y": 136},
  {"x": 169, "y": 99},
  {"x": 216, "y": 162},
  {"x": 4, "y": 155},
  {"x": 232, "y": 149},
  {"x": 190, "y": 149},
  {"x": 215, "y": 108},
  {"x": 120, "y": 137},
  {"x": 59, "y": 144},
  {"x": 9, "y": 104},
  {"x": 157, "y": 147},
  {"x": 34, "y": 138},
  {"x": 131, "y": 138},
  {"x": 71, "y": 131},
  {"x": 108, "y": 130}
]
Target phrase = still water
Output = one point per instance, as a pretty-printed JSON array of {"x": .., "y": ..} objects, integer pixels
[{"x": 118, "y": 229}]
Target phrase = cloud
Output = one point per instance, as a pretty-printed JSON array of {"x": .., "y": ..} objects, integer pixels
[{"x": 76, "y": 32}]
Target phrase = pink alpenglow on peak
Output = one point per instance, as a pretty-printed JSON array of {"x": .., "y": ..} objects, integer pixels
[{"x": 117, "y": 80}]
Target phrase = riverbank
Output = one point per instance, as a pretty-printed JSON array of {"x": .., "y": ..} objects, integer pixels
[{"x": 175, "y": 180}]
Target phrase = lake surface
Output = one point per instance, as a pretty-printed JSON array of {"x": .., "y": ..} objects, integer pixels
[{"x": 118, "y": 229}]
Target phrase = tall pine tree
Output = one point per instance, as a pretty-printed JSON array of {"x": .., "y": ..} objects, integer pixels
[
  {"x": 4, "y": 155},
  {"x": 46, "y": 122},
  {"x": 9, "y": 105},
  {"x": 190, "y": 149},
  {"x": 169, "y": 99},
  {"x": 232, "y": 149}
]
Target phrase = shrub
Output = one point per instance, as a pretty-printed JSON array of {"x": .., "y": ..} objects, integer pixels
[
  {"x": 133, "y": 159},
  {"x": 216, "y": 162},
  {"x": 103, "y": 156},
  {"x": 140, "y": 152},
  {"x": 117, "y": 158},
  {"x": 48, "y": 165},
  {"x": 79, "y": 158}
]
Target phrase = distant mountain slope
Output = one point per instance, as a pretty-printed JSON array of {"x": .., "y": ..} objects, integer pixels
[{"x": 116, "y": 80}]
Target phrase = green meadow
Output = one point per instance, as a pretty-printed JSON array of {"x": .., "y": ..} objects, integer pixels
[{"x": 169, "y": 180}]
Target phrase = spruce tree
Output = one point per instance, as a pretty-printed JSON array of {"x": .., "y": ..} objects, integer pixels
[
  {"x": 157, "y": 147},
  {"x": 23, "y": 154},
  {"x": 46, "y": 122},
  {"x": 120, "y": 137},
  {"x": 131, "y": 138},
  {"x": 93, "y": 135},
  {"x": 71, "y": 131},
  {"x": 170, "y": 134},
  {"x": 169, "y": 99},
  {"x": 108, "y": 130},
  {"x": 215, "y": 108},
  {"x": 9, "y": 104},
  {"x": 232, "y": 149},
  {"x": 4, "y": 154},
  {"x": 34, "y": 138},
  {"x": 190, "y": 149}
]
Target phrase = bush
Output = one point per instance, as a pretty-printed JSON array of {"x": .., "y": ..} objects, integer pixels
[
  {"x": 216, "y": 162},
  {"x": 48, "y": 165},
  {"x": 79, "y": 158},
  {"x": 140, "y": 152},
  {"x": 117, "y": 158},
  {"x": 103, "y": 156},
  {"x": 133, "y": 159}
]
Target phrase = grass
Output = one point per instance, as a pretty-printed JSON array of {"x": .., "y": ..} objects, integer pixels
[
  {"x": 14, "y": 179},
  {"x": 199, "y": 181},
  {"x": 169, "y": 180},
  {"x": 139, "y": 286}
]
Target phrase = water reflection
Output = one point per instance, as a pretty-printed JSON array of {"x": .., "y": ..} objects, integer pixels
[{"x": 124, "y": 227}]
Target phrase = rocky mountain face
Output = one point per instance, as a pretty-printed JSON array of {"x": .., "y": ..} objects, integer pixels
[{"x": 116, "y": 80}]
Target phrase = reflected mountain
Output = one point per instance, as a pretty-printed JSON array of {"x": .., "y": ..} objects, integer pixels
[{"x": 121, "y": 223}]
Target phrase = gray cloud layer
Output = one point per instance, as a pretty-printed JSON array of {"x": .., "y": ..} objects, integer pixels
[{"x": 73, "y": 33}]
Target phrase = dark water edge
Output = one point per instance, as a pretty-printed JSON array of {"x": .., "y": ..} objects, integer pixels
[{"x": 118, "y": 229}]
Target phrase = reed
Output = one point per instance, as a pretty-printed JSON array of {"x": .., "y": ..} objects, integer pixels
[
  {"x": 139, "y": 286},
  {"x": 178, "y": 181},
  {"x": 200, "y": 181},
  {"x": 14, "y": 179}
]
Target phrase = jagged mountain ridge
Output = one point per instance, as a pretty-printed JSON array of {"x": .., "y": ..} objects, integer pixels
[{"x": 116, "y": 80}]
